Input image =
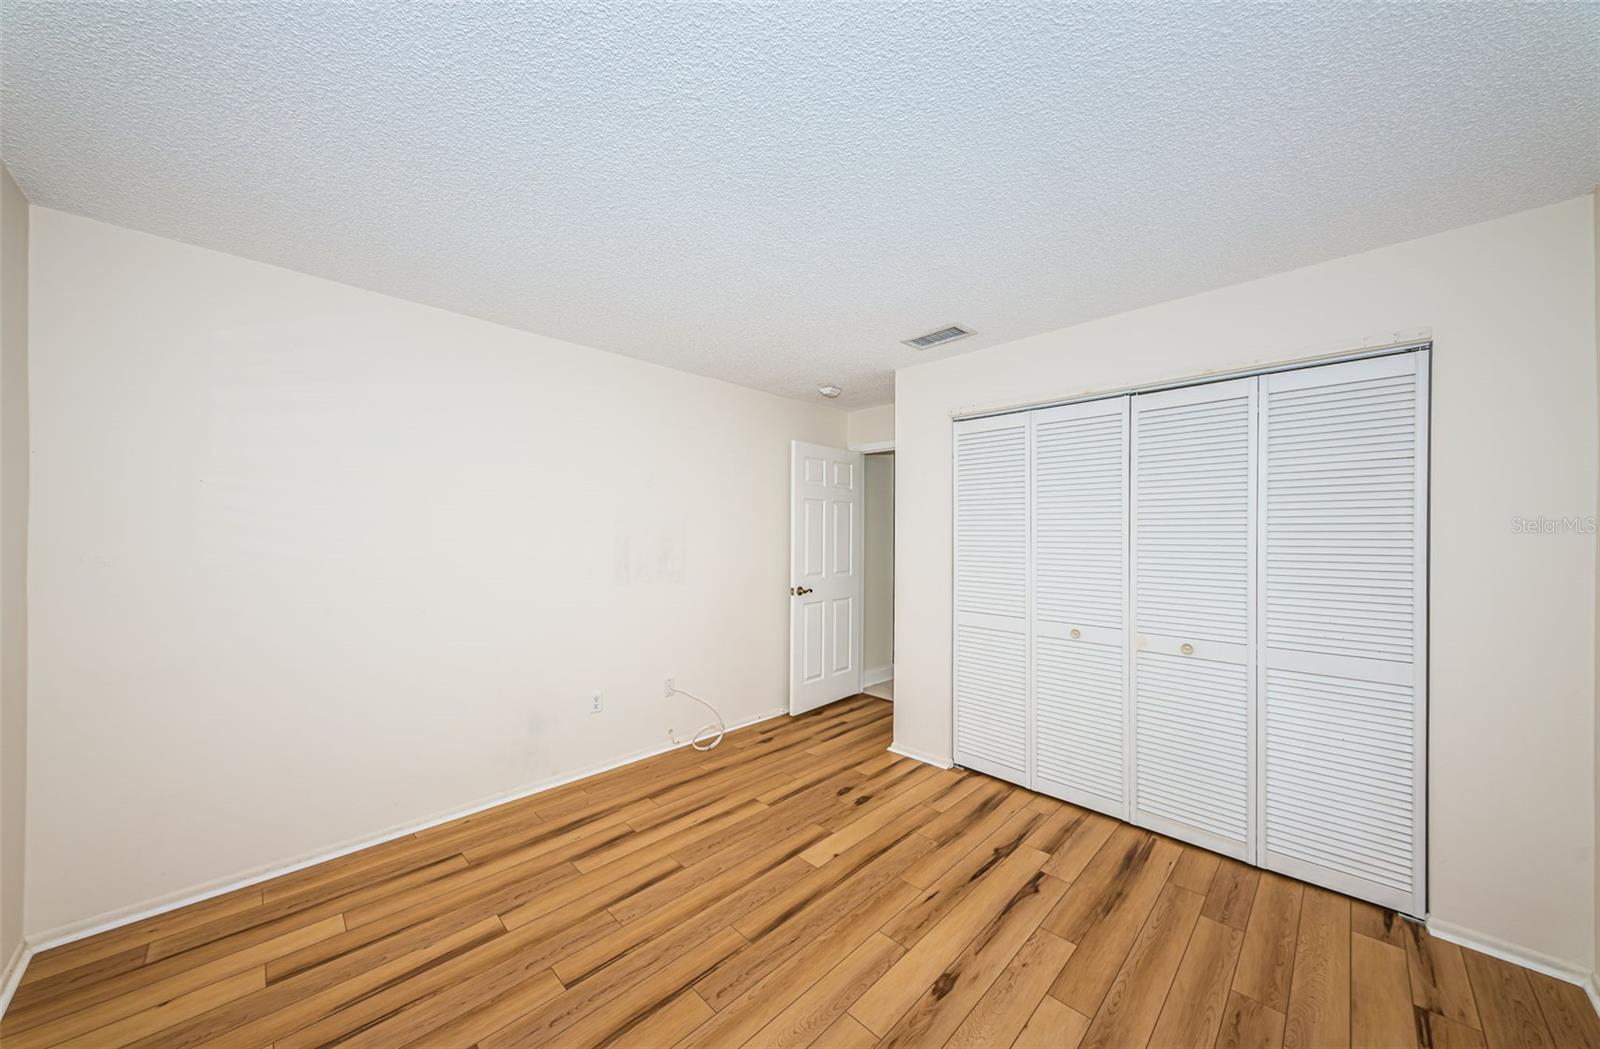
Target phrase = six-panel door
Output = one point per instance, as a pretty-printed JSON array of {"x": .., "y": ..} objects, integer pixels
[{"x": 825, "y": 593}]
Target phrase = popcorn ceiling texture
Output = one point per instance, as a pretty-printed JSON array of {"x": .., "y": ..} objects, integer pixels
[{"x": 775, "y": 195}]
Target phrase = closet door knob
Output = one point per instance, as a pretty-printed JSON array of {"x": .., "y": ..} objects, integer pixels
[
  {"x": 1076, "y": 633},
  {"x": 1186, "y": 648}
]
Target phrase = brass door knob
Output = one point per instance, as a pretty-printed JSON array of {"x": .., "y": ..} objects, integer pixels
[
  {"x": 1186, "y": 648},
  {"x": 1076, "y": 633}
]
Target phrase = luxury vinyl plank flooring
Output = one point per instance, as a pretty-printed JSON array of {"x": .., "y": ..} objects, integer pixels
[{"x": 799, "y": 886}]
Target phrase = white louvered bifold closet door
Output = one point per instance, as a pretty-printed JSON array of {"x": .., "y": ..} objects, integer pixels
[
  {"x": 1080, "y": 557},
  {"x": 1342, "y": 673},
  {"x": 991, "y": 596},
  {"x": 1193, "y": 571}
]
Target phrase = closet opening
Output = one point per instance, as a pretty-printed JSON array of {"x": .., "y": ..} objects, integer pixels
[{"x": 1203, "y": 609}]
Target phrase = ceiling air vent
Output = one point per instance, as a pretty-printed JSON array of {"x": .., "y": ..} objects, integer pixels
[{"x": 937, "y": 338}]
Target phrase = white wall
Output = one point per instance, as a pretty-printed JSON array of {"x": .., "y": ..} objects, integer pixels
[
  {"x": 310, "y": 563},
  {"x": 13, "y": 560},
  {"x": 878, "y": 582},
  {"x": 1511, "y": 304},
  {"x": 871, "y": 426}
]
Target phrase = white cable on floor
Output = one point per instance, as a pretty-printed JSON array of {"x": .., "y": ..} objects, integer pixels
[{"x": 712, "y": 732}]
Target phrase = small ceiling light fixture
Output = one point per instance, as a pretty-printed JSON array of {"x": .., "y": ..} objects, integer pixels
[{"x": 829, "y": 390}]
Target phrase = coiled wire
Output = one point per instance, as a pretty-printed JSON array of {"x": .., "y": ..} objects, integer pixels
[{"x": 709, "y": 736}]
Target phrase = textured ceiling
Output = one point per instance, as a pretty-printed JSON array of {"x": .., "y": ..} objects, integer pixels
[{"x": 776, "y": 194}]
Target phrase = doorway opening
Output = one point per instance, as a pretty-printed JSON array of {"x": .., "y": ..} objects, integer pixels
[
  {"x": 878, "y": 577},
  {"x": 841, "y": 596}
]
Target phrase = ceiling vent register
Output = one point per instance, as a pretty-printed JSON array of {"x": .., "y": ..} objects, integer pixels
[{"x": 937, "y": 338}]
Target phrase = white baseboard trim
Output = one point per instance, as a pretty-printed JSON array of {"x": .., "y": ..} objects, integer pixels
[
  {"x": 197, "y": 894},
  {"x": 905, "y": 752},
  {"x": 1509, "y": 952},
  {"x": 1593, "y": 988},
  {"x": 11, "y": 975},
  {"x": 877, "y": 675}
]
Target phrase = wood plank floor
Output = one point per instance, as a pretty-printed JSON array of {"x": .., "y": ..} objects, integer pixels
[{"x": 797, "y": 886}]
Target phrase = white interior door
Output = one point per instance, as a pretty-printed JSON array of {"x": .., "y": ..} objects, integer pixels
[
  {"x": 1193, "y": 571},
  {"x": 1342, "y": 678},
  {"x": 1080, "y": 575},
  {"x": 825, "y": 540},
  {"x": 992, "y": 575}
]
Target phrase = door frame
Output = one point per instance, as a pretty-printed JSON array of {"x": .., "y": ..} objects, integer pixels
[{"x": 868, "y": 451}]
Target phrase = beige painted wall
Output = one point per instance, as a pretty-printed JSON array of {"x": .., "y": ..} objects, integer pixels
[
  {"x": 878, "y": 584},
  {"x": 13, "y": 559},
  {"x": 310, "y": 562},
  {"x": 1511, "y": 305},
  {"x": 871, "y": 426}
]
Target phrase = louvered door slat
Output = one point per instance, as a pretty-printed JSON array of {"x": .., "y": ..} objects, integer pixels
[
  {"x": 1342, "y": 609},
  {"x": 1079, "y": 533},
  {"x": 991, "y": 596},
  {"x": 1193, "y": 576}
]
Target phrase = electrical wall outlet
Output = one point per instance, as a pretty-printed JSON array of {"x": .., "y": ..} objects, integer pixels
[
  {"x": 597, "y": 702},
  {"x": 670, "y": 689}
]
